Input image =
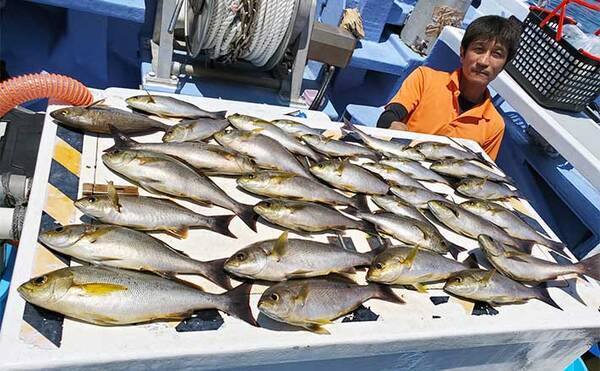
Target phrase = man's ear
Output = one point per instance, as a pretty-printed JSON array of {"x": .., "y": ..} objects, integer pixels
[{"x": 462, "y": 54}]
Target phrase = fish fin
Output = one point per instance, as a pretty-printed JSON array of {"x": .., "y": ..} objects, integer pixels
[
  {"x": 216, "y": 273},
  {"x": 114, "y": 197},
  {"x": 122, "y": 141},
  {"x": 488, "y": 277},
  {"x": 359, "y": 202},
  {"x": 385, "y": 293},
  {"x": 471, "y": 262},
  {"x": 554, "y": 245},
  {"x": 150, "y": 96},
  {"x": 590, "y": 266},
  {"x": 237, "y": 303},
  {"x": 181, "y": 233},
  {"x": 218, "y": 115},
  {"x": 368, "y": 228},
  {"x": 257, "y": 130},
  {"x": 516, "y": 255},
  {"x": 317, "y": 329},
  {"x": 349, "y": 270},
  {"x": 96, "y": 103},
  {"x": 340, "y": 277},
  {"x": 220, "y": 224},
  {"x": 280, "y": 246},
  {"x": 454, "y": 249},
  {"x": 420, "y": 288},
  {"x": 518, "y": 206},
  {"x": 302, "y": 295},
  {"x": 298, "y": 274},
  {"x": 524, "y": 245},
  {"x": 544, "y": 295},
  {"x": 370, "y": 255},
  {"x": 339, "y": 170},
  {"x": 410, "y": 257},
  {"x": 248, "y": 216},
  {"x": 101, "y": 289}
]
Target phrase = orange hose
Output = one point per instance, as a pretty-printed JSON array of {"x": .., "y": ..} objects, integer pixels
[{"x": 21, "y": 89}]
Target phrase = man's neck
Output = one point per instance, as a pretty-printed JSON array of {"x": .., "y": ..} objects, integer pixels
[{"x": 472, "y": 93}]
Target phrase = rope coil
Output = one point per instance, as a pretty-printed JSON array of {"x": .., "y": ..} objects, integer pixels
[{"x": 252, "y": 30}]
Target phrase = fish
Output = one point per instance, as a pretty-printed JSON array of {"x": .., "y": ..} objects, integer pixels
[
  {"x": 312, "y": 303},
  {"x": 484, "y": 189},
  {"x": 248, "y": 123},
  {"x": 121, "y": 247},
  {"x": 150, "y": 214},
  {"x": 397, "y": 206},
  {"x": 109, "y": 296},
  {"x": 210, "y": 159},
  {"x": 292, "y": 186},
  {"x": 434, "y": 151},
  {"x": 308, "y": 217},
  {"x": 97, "y": 119},
  {"x": 295, "y": 128},
  {"x": 471, "y": 225},
  {"x": 416, "y": 196},
  {"x": 159, "y": 173},
  {"x": 266, "y": 152},
  {"x": 388, "y": 148},
  {"x": 282, "y": 259},
  {"x": 524, "y": 267},
  {"x": 337, "y": 148},
  {"x": 510, "y": 222},
  {"x": 414, "y": 169},
  {"x": 411, "y": 266},
  {"x": 194, "y": 130},
  {"x": 410, "y": 231},
  {"x": 349, "y": 177},
  {"x": 391, "y": 175},
  {"x": 462, "y": 169},
  {"x": 494, "y": 288},
  {"x": 165, "y": 106}
]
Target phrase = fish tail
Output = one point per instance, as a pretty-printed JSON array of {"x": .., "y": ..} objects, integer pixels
[
  {"x": 359, "y": 202},
  {"x": 590, "y": 267},
  {"x": 248, "y": 216},
  {"x": 219, "y": 115},
  {"x": 525, "y": 245},
  {"x": 383, "y": 292},
  {"x": 214, "y": 271},
  {"x": 220, "y": 224},
  {"x": 370, "y": 255},
  {"x": 544, "y": 295},
  {"x": 237, "y": 303},
  {"x": 367, "y": 227},
  {"x": 122, "y": 141},
  {"x": 454, "y": 250},
  {"x": 553, "y": 245}
]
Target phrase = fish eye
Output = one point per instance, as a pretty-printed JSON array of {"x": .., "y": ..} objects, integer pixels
[
  {"x": 274, "y": 297},
  {"x": 59, "y": 229},
  {"x": 268, "y": 204},
  {"x": 378, "y": 265},
  {"x": 458, "y": 279},
  {"x": 251, "y": 176},
  {"x": 92, "y": 199},
  {"x": 38, "y": 281},
  {"x": 241, "y": 257}
]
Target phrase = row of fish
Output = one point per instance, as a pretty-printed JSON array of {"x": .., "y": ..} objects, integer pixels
[{"x": 265, "y": 158}]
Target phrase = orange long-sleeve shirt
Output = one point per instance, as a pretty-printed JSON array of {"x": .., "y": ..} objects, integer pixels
[{"x": 431, "y": 100}]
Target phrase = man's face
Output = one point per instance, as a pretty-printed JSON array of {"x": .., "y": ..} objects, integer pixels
[{"x": 483, "y": 61}]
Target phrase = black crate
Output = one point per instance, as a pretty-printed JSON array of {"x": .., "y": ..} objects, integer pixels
[{"x": 554, "y": 73}]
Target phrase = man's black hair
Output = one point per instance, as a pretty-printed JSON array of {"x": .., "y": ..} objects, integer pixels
[{"x": 492, "y": 27}]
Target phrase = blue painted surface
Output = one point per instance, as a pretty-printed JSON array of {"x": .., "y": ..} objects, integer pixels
[
  {"x": 9, "y": 263},
  {"x": 129, "y": 10},
  {"x": 577, "y": 365}
]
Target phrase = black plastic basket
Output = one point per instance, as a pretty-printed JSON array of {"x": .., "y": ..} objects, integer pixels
[{"x": 554, "y": 73}]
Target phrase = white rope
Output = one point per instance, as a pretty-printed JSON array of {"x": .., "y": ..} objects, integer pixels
[{"x": 270, "y": 25}]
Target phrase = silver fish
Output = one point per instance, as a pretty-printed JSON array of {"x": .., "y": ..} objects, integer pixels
[
  {"x": 463, "y": 169},
  {"x": 164, "y": 174},
  {"x": 282, "y": 259},
  {"x": 295, "y": 128},
  {"x": 524, "y": 267},
  {"x": 292, "y": 186},
  {"x": 416, "y": 196},
  {"x": 164, "y": 106},
  {"x": 435, "y": 151},
  {"x": 414, "y": 169},
  {"x": 399, "y": 207},
  {"x": 248, "y": 123},
  {"x": 411, "y": 266},
  {"x": 266, "y": 152},
  {"x": 97, "y": 119},
  {"x": 312, "y": 303},
  {"x": 494, "y": 288},
  {"x": 122, "y": 247},
  {"x": 208, "y": 158},
  {"x": 465, "y": 222},
  {"x": 194, "y": 130},
  {"x": 407, "y": 230},
  {"x": 308, "y": 217},
  {"x": 151, "y": 214},
  {"x": 349, "y": 177},
  {"x": 484, "y": 189},
  {"x": 388, "y": 148},
  {"x": 391, "y": 174},
  {"x": 511, "y": 223},
  {"x": 109, "y": 296},
  {"x": 337, "y": 148}
]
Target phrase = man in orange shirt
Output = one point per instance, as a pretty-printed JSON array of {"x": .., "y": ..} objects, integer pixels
[{"x": 458, "y": 104}]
